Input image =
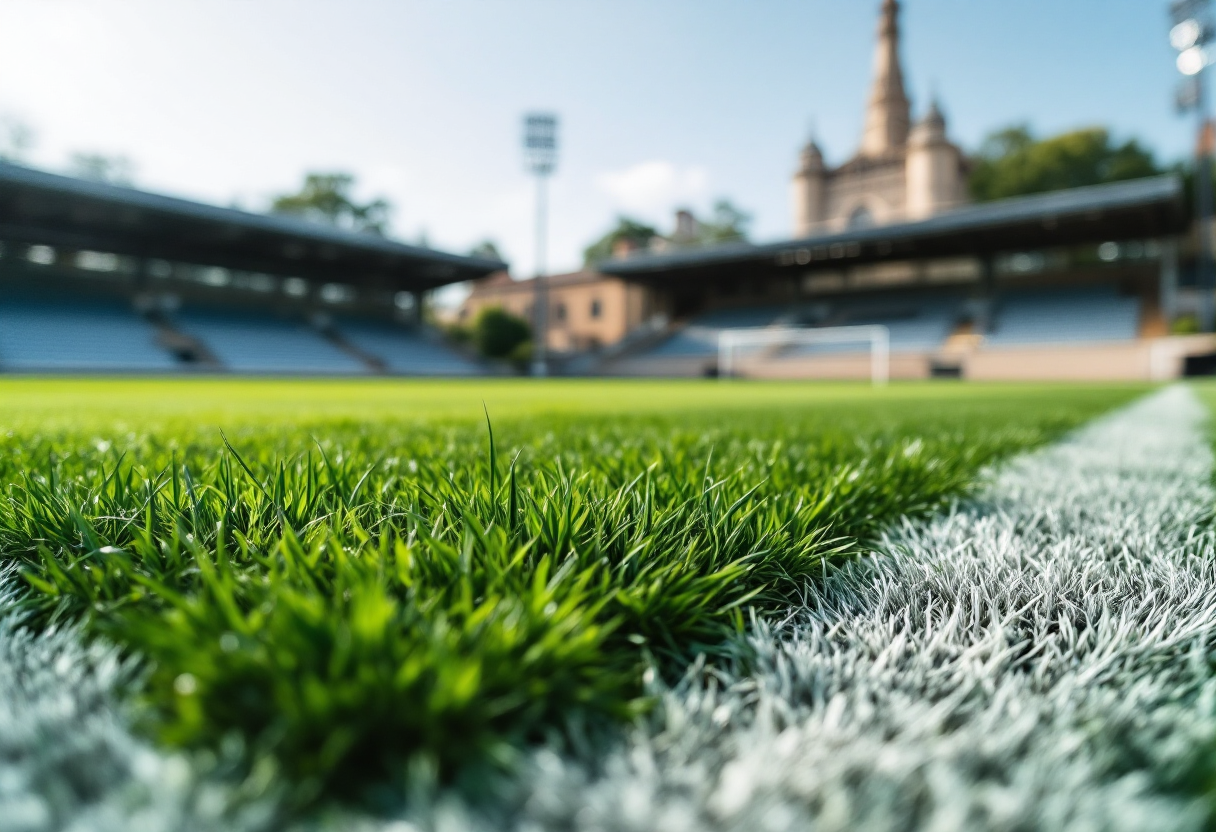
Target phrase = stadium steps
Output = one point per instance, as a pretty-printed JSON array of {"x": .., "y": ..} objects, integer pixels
[
  {"x": 248, "y": 341},
  {"x": 414, "y": 351},
  {"x": 185, "y": 348},
  {"x": 1081, "y": 315},
  {"x": 373, "y": 363}
]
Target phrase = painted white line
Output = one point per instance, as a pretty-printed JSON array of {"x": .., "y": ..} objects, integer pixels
[{"x": 1039, "y": 661}]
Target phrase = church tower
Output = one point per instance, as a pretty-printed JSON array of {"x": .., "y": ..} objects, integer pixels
[{"x": 888, "y": 115}]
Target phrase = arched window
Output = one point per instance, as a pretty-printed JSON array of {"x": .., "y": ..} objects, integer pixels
[{"x": 861, "y": 217}]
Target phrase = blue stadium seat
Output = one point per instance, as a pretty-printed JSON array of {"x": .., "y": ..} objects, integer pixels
[
  {"x": 88, "y": 335},
  {"x": 405, "y": 351},
  {"x": 916, "y": 324},
  {"x": 253, "y": 342},
  {"x": 1065, "y": 315}
]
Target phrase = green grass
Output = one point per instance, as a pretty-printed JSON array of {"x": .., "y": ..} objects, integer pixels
[{"x": 359, "y": 577}]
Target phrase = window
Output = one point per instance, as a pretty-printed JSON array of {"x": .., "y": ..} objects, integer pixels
[
  {"x": 596, "y": 309},
  {"x": 861, "y": 218},
  {"x": 559, "y": 312}
]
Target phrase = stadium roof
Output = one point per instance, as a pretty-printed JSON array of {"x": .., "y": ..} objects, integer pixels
[
  {"x": 1138, "y": 209},
  {"x": 46, "y": 209}
]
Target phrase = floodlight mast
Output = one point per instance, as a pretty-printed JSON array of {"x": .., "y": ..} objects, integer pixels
[
  {"x": 540, "y": 155},
  {"x": 1191, "y": 34}
]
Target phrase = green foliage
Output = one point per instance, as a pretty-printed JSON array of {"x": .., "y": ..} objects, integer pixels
[
  {"x": 16, "y": 139},
  {"x": 326, "y": 197},
  {"x": 1012, "y": 162},
  {"x": 356, "y": 597},
  {"x": 98, "y": 167},
  {"x": 487, "y": 249},
  {"x": 729, "y": 225},
  {"x": 627, "y": 230},
  {"x": 497, "y": 333},
  {"x": 1185, "y": 325}
]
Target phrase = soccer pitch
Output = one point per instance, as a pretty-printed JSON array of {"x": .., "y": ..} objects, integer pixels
[{"x": 249, "y": 603}]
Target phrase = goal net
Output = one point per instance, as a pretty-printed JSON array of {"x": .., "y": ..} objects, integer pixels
[{"x": 769, "y": 341}]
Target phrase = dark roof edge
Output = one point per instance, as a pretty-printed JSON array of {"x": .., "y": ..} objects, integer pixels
[
  {"x": 133, "y": 197},
  {"x": 1150, "y": 190}
]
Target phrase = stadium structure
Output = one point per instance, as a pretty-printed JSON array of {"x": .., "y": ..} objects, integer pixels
[
  {"x": 1080, "y": 284},
  {"x": 102, "y": 278}
]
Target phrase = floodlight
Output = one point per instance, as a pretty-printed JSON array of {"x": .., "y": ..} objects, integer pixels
[
  {"x": 1191, "y": 34},
  {"x": 1186, "y": 34},
  {"x": 540, "y": 142},
  {"x": 1192, "y": 61},
  {"x": 540, "y": 155}
]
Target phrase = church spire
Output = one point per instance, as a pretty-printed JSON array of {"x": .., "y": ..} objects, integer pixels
[{"x": 888, "y": 115}]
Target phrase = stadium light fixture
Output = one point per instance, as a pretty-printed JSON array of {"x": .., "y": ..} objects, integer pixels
[
  {"x": 1185, "y": 34},
  {"x": 1191, "y": 34},
  {"x": 540, "y": 156}
]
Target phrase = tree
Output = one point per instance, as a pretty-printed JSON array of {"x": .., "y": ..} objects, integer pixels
[
  {"x": 487, "y": 250},
  {"x": 1012, "y": 162},
  {"x": 637, "y": 234},
  {"x": 729, "y": 225},
  {"x": 326, "y": 197},
  {"x": 97, "y": 167},
  {"x": 16, "y": 139},
  {"x": 499, "y": 334}
]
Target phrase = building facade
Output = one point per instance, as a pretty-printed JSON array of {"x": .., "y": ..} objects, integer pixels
[
  {"x": 902, "y": 170},
  {"x": 586, "y": 309}
]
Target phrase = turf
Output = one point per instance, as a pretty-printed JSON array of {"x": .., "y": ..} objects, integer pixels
[{"x": 357, "y": 579}]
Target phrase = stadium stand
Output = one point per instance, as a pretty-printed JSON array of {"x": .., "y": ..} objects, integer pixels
[
  {"x": 1092, "y": 314},
  {"x": 915, "y": 324},
  {"x": 101, "y": 277},
  {"x": 247, "y": 341},
  {"x": 38, "y": 334},
  {"x": 405, "y": 351}
]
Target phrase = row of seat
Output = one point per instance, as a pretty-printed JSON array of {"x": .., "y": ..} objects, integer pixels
[
  {"x": 39, "y": 334},
  {"x": 923, "y": 323}
]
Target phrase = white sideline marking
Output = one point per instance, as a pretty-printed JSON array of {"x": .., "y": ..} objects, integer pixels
[
  {"x": 1034, "y": 662},
  {"x": 1037, "y": 661}
]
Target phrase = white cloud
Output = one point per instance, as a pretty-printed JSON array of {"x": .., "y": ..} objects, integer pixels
[{"x": 654, "y": 189}]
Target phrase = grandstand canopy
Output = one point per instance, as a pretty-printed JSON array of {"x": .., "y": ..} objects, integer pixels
[
  {"x": 1138, "y": 209},
  {"x": 40, "y": 208}
]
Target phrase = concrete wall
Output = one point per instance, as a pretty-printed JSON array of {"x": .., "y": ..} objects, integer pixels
[{"x": 1154, "y": 359}]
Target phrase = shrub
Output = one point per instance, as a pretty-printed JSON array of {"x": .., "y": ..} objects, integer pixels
[{"x": 497, "y": 333}]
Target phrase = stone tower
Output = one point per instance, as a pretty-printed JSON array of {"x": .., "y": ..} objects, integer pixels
[
  {"x": 935, "y": 168},
  {"x": 899, "y": 172},
  {"x": 809, "y": 191},
  {"x": 888, "y": 115}
]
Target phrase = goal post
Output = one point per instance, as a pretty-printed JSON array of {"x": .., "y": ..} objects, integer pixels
[{"x": 878, "y": 338}]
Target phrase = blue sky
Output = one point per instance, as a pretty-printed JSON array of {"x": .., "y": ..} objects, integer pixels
[{"x": 663, "y": 102}]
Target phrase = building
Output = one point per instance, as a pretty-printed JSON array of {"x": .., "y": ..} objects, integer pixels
[
  {"x": 1081, "y": 284},
  {"x": 901, "y": 171},
  {"x": 1071, "y": 285},
  {"x": 587, "y": 310}
]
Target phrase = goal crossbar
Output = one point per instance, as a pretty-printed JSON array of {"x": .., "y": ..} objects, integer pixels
[{"x": 876, "y": 335}]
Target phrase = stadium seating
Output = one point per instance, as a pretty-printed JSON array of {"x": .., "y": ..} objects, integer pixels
[
  {"x": 257, "y": 342},
  {"x": 41, "y": 334},
  {"x": 914, "y": 324},
  {"x": 1066, "y": 315},
  {"x": 405, "y": 351}
]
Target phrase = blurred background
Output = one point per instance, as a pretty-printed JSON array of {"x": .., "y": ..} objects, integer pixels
[
  {"x": 663, "y": 105},
  {"x": 675, "y": 127}
]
